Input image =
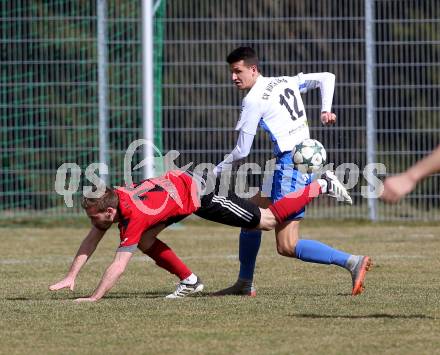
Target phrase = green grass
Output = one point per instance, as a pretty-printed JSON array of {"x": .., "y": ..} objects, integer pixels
[{"x": 300, "y": 307}]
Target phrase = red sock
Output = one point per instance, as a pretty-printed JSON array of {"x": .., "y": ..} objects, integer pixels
[
  {"x": 165, "y": 258},
  {"x": 294, "y": 201}
]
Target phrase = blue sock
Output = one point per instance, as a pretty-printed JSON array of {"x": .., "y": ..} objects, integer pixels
[
  {"x": 248, "y": 250},
  {"x": 316, "y": 252}
]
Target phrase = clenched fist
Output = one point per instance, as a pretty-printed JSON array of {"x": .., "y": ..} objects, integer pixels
[{"x": 328, "y": 118}]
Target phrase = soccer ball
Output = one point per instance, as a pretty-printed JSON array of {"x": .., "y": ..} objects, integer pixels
[{"x": 309, "y": 156}]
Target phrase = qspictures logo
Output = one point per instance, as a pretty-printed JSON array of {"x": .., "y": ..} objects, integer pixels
[{"x": 68, "y": 176}]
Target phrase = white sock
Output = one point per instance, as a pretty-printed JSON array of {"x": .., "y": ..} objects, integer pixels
[
  {"x": 190, "y": 280},
  {"x": 323, "y": 185}
]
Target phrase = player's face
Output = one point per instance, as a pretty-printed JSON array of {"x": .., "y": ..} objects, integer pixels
[
  {"x": 243, "y": 76},
  {"x": 102, "y": 220}
]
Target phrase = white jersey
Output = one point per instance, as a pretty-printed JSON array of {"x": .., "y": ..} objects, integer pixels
[{"x": 275, "y": 104}]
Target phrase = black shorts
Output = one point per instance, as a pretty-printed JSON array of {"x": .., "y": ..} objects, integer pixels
[{"x": 230, "y": 210}]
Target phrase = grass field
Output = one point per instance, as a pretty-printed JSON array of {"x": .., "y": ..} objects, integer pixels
[{"x": 300, "y": 308}]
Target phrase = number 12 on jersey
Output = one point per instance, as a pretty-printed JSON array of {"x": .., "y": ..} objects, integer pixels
[{"x": 289, "y": 94}]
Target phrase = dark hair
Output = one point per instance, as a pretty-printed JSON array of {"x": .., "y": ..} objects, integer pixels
[
  {"x": 247, "y": 54},
  {"x": 108, "y": 199}
]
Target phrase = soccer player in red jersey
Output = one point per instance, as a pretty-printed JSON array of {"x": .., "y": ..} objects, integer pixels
[{"x": 143, "y": 210}]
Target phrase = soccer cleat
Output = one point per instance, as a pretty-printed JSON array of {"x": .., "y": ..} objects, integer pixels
[
  {"x": 363, "y": 265},
  {"x": 184, "y": 289},
  {"x": 335, "y": 188},
  {"x": 241, "y": 287}
]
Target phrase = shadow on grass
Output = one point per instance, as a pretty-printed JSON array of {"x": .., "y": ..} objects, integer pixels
[
  {"x": 118, "y": 295},
  {"x": 365, "y": 316},
  {"x": 152, "y": 294}
]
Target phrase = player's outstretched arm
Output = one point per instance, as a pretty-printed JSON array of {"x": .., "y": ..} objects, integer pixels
[
  {"x": 85, "y": 250},
  {"x": 241, "y": 151},
  {"x": 396, "y": 187},
  {"x": 326, "y": 83},
  {"x": 247, "y": 126},
  {"x": 111, "y": 275}
]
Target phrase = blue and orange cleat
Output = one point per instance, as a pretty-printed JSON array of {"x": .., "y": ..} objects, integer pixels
[{"x": 358, "y": 274}]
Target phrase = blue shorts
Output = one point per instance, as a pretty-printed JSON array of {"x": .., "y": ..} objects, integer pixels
[{"x": 287, "y": 179}]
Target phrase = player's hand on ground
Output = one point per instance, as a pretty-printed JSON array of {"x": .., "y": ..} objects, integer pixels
[
  {"x": 328, "y": 118},
  {"x": 396, "y": 187},
  {"x": 85, "y": 299},
  {"x": 67, "y": 282}
]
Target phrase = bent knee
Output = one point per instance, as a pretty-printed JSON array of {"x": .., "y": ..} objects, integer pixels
[{"x": 286, "y": 250}]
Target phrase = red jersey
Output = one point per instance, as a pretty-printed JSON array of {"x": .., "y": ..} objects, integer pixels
[{"x": 154, "y": 201}]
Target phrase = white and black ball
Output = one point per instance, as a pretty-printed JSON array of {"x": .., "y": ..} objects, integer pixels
[{"x": 309, "y": 156}]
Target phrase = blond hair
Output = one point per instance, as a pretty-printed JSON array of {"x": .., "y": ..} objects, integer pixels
[{"x": 108, "y": 199}]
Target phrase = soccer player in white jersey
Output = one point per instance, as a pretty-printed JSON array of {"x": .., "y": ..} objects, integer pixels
[{"x": 275, "y": 104}]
